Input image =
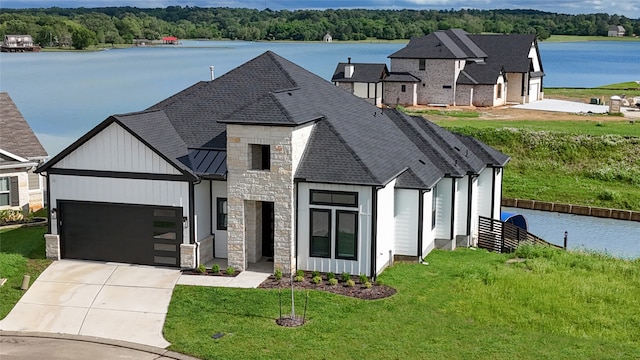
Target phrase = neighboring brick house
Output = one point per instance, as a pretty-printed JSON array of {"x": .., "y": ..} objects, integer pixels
[
  {"x": 456, "y": 68},
  {"x": 20, "y": 153},
  {"x": 364, "y": 80},
  {"x": 286, "y": 167}
]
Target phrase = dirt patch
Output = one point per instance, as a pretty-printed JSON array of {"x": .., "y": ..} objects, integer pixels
[{"x": 358, "y": 291}]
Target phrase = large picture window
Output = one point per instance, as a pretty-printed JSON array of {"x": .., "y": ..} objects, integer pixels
[
  {"x": 320, "y": 233},
  {"x": 346, "y": 234}
]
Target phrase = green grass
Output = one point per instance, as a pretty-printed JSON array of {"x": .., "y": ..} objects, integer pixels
[
  {"x": 458, "y": 114},
  {"x": 464, "y": 304},
  {"x": 578, "y": 38},
  {"x": 587, "y": 165},
  {"x": 585, "y": 95},
  {"x": 21, "y": 252}
]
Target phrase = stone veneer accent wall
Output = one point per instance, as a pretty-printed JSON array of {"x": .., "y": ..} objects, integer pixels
[
  {"x": 438, "y": 72},
  {"x": 246, "y": 188}
]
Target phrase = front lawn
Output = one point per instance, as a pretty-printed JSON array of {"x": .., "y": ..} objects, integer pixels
[
  {"x": 464, "y": 304},
  {"x": 21, "y": 252}
]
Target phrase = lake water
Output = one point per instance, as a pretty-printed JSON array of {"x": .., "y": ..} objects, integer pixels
[
  {"x": 616, "y": 237},
  {"x": 62, "y": 95}
]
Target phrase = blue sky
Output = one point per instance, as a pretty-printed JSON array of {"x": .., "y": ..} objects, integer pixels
[{"x": 628, "y": 8}]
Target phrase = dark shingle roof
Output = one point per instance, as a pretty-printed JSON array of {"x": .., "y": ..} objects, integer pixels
[
  {"x": 401, "y": 77},
  {"x": 16, "y": 135},
  {"x": 509, "y": 51},
  {"x": 447, "y": 44},
  {"x": 362, "y": 72},
  {"x": 480, "y": 74},
  {"x": 352, "y": 141}
]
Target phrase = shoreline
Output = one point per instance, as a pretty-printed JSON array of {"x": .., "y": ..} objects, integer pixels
[{"x": 593, "y": 211}]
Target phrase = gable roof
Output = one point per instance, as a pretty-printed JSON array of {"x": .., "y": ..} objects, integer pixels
[
  {"x": 444, "y": 44},
  {"x": 17, "y": 140},
  {"x": 509, "y": 51},
  {"x": 352, "y": 141},
  {"x": 480, "y": 74},
  {"x": 362, "y": 72}
]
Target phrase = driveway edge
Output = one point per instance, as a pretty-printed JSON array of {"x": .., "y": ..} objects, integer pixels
[{"x": 102, "y": 341}]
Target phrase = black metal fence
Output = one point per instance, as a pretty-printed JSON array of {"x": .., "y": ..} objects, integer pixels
[{"x": 498, "y": 236}]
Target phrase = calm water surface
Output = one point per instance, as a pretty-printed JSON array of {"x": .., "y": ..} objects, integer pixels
[
  {"x": 63, "y": 95},
  {"x": 616, "y": 237}
]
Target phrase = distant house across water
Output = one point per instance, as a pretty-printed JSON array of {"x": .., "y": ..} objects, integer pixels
[
  {"x": 327, "y": 38},
  {"x": 170, "y": 40},
  {"x": 616, "y": 31},
  {"x": 18, "y": 43}
]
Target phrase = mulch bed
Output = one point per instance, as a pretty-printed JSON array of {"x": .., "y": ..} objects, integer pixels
[
  {"x": 358, "y": 291},
  {"x": 209, "y": 273}
]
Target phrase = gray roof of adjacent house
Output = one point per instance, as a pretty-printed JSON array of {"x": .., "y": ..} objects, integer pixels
[
  {"x": 16, "y": 136},
  {"x": 401, "y": 77},
  {"x": 362, "y": 72},
  {"x": 480, "y": 74},
  {"x": 352, "y": 142},
  {"x": 446, "y": 44},
  {"x": 508, "y": 51}
]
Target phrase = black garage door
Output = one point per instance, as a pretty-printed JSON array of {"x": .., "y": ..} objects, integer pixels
[{"x": 136, "y": 234}]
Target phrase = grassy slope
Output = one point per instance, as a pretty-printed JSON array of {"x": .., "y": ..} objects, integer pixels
[
  {"x": 577, "y": 38},
  {"x": 464, "y": 304},
  {"x": 21, "y": 252},
  {"x": 579, "y": 162}
]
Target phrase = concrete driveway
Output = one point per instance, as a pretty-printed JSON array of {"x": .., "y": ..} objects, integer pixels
[{"x": 107, "y": 300}]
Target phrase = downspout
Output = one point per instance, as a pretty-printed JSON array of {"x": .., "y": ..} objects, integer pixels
[
  {"x": 453, "y": 207},
  {"x": 211, "y": 217},
  {"x": 191, "y": 221},
  {"x": 49, "y": 205},
  {"x": 295, "y": 219},
  {"x": 374, "y": 231},
  {"x": 420, "y": 222}
]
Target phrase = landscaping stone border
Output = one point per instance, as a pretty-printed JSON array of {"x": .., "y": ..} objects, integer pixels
[{"x": 573, "y": 209}]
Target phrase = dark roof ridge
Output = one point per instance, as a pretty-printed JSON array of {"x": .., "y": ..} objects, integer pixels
[
  {"x": 453, "y": 152},
  {"x": 275, "y": 57},
  {"x": 355, "y": 155}
]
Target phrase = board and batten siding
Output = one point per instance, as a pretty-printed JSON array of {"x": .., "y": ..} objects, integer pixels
[
  {"x": 115, "y": 149},
  {"x": 406, "y": 222},
  {"x": 122, "y": 191},
  {"x": 363, "y": 263},
  {"x": 385, "y": 226},
  {"x": 461, "y": 214},
  {"x": 202, "y": 207},
  {"x": 443, "y": 210},
  {"x": 428, "y": 231},
  {"x": 485, "y": 192},
  {"x": 497, "y": 193},
  {"x": 219, "y": 190}
]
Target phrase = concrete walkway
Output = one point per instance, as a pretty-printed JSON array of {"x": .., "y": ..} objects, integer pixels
[
  {"x": 28, "y": 346},
  {"x": 564, "y": 106},
  {"x": 247, "y": 279},
  {"x": 114, "y": 301}
]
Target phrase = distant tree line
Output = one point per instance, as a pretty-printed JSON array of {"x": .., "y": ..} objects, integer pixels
[{"x": 82, "y": 27}]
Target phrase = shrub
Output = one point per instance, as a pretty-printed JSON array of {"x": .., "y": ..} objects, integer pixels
[
  {"x": 351, "y": 283},
  {"x": 345, "y": 276},
  {"x": 277, "y": 274},
  {"x": 215, "y": 269},
  {"x": 11, "y": 216},
  {"x": 316, "y": 280},
  {"x": 231, "y": 270},
  {"x": 298, "y": 278},
  {"x": 202, "y": 269},
  {"x": 315, "y": 273},
  {"x": 367, "y": 285},
  {"x": 363, "y": 278},
  {"x": 300, "y": 273},
  {"x": 331, "y": 275},
  {"x": 333, "y": 281}
]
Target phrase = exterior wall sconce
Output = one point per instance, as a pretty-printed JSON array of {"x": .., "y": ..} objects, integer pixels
[
  {"x": 54, "y": 213},
  {"x": 185, "y": 222}
]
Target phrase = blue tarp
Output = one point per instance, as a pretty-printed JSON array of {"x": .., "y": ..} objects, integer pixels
[{"x": 515, "y": 219}]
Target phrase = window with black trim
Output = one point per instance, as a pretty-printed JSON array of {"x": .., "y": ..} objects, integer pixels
[
  {"x": 403, "y": 88},
  {"x": 422, "y": 64},
  {"x": 346, "y": 234},
  {"x": 5, "y": 192},
  {"x": 221, "y": 213},
  {"x": 335, "y": 198},
  {"x": 260, "y": 157},
  {"x": 499, "y": 91},
  {"x": 320, "y": 233}
]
